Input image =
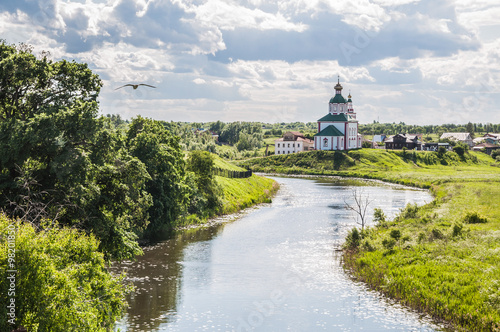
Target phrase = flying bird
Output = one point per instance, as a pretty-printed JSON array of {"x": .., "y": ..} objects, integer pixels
[{"x": 135, "y": 86}]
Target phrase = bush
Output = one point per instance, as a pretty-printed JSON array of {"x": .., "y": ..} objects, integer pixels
[
  {"x": 436, "y": 233},
  {"x": 389, "y": 243},
  {"x": 421, "y": 237},
  {"x": 457, "y": 229},
  {"x": 441, "y": 151},
  {"x": 379, "y": 216},
  {"x": 410, "y": 211},
  {"x": 367, "y": 145},
  {"x": 495, "y": 154},
  {"x": 459, "y": 150},
  {"x": 395, "y": 234},
  {"x": 353, "y": 239},
  {"x": 62, "y": 283},
  {"x": 474, "y": 218},
  {"x": 367, "y": 246}
]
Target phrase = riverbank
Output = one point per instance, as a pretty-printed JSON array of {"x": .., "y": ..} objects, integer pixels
[
  {"x": 441, "y": 258},
  {"x": 236, "y": 194}
]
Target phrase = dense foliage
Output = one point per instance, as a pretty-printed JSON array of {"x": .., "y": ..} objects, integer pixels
[
  {"x": 59, "y": 160},
  {"x": 153, "y": 145},
  {"x": 61, "y": 282}
]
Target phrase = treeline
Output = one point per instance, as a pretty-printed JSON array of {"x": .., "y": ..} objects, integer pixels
[
  {"x": 398, "y": 128},
  {"x": 87, "y": 181}
]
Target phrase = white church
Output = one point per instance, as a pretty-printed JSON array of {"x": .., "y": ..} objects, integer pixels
[{"x": 338, "y": 130}]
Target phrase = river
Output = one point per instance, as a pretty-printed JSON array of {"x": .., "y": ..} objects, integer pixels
[{"x": 273, "y": 269}]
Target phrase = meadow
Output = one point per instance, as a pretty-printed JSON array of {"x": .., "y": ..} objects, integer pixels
[{"x": 442, "y": 258}]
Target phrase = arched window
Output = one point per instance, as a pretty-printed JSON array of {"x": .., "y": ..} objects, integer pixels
[{"x": 325, "y": 142}]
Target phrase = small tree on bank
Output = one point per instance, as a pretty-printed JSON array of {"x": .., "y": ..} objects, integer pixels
[{"x": 359, "y": 205}]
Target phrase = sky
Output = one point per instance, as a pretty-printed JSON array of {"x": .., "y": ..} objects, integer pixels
[{"x": 413, "y": 61}]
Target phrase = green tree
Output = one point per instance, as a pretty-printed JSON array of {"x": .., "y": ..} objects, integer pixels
[
  {"x": 151, "y": 143},
  {"x": 217, "y": 127},
  {"x": 470, "y": 129},
  {"x": 201, "y": 164},
  {"x": 53, "y": 144},
  {"x": 460, "y": 148}
]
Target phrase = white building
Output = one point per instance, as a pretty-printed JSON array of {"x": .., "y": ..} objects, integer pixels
[
  {"x": 292, "y": 142},
  {"x": 338, "y": 130}
]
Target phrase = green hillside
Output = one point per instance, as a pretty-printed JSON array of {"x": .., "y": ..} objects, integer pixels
[{"x": 223, "y": 164}]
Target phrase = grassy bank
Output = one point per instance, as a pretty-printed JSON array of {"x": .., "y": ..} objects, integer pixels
[
  {"x": 236, "y": 194},
  {"x": 239, "y": 194},
  {"x": 442, "y": 258}
]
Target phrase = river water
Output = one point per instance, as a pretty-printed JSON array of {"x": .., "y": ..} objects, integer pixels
[{"x": 273, "y": 269}]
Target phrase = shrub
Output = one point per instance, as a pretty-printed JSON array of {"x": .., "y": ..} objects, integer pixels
[
  {"x": 389, "y": 243},
  {"x": 457, "y": 229},
  {"x": 441, "y": 151},
  {"x": 409, "y": 211},
  {"x": 353, "y": 239},
  {"x": 474, "y": 218},
  {"x": 62, "y": 283},
  {"x": 367, "y": 246},
  {"x": 421, "y": 237},
  {"x": 459, "y": 150},
  {"x": 495, "y": 154},
  {"x": 379, "y": 216},
  {"x": 437, "y": 234},
  {"x": 395, "y": 234}
]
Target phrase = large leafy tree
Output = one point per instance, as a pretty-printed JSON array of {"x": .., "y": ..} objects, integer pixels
[
  {"x": 59, "y": 160},
  {"x": 150, "y": 142},
  {"x": 205, "y": 199}
]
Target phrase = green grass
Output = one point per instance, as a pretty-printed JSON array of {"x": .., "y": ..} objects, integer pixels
[
  {"x": 242, "y": 193},
  {"x": 441, "y": 264},
  {"x": 223, "y": 164}
]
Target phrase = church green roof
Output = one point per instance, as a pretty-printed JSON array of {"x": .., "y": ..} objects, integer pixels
[
  {"x": 330, "y": 131},
  {"x": 338, "y": 99},
  {"x": 338, "y": 117}
]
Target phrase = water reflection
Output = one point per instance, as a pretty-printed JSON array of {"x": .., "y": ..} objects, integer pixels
[{"x": 274, "y": 269}]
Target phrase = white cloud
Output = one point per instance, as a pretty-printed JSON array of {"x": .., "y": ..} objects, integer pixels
[
  {"x": 199, "y": 81},
  {"x": 228, "y": 16},
  {"x": 422, "y": 62}
]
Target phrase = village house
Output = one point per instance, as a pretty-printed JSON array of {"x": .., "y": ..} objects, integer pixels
[
  {"x": 487, "y": 138},
  {"x": 486, "y": 147},
  {"x": 400, "y": 141},
  {"x": 459, "y": 137},
  {"x": 338, "y": 130},
  {"x": 292, "y": 142}
]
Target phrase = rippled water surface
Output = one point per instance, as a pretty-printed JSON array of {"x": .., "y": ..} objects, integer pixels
[{"x": 274, "y": 269}]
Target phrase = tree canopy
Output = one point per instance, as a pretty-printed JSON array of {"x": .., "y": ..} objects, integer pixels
[{"x": 59, "y": 160}]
